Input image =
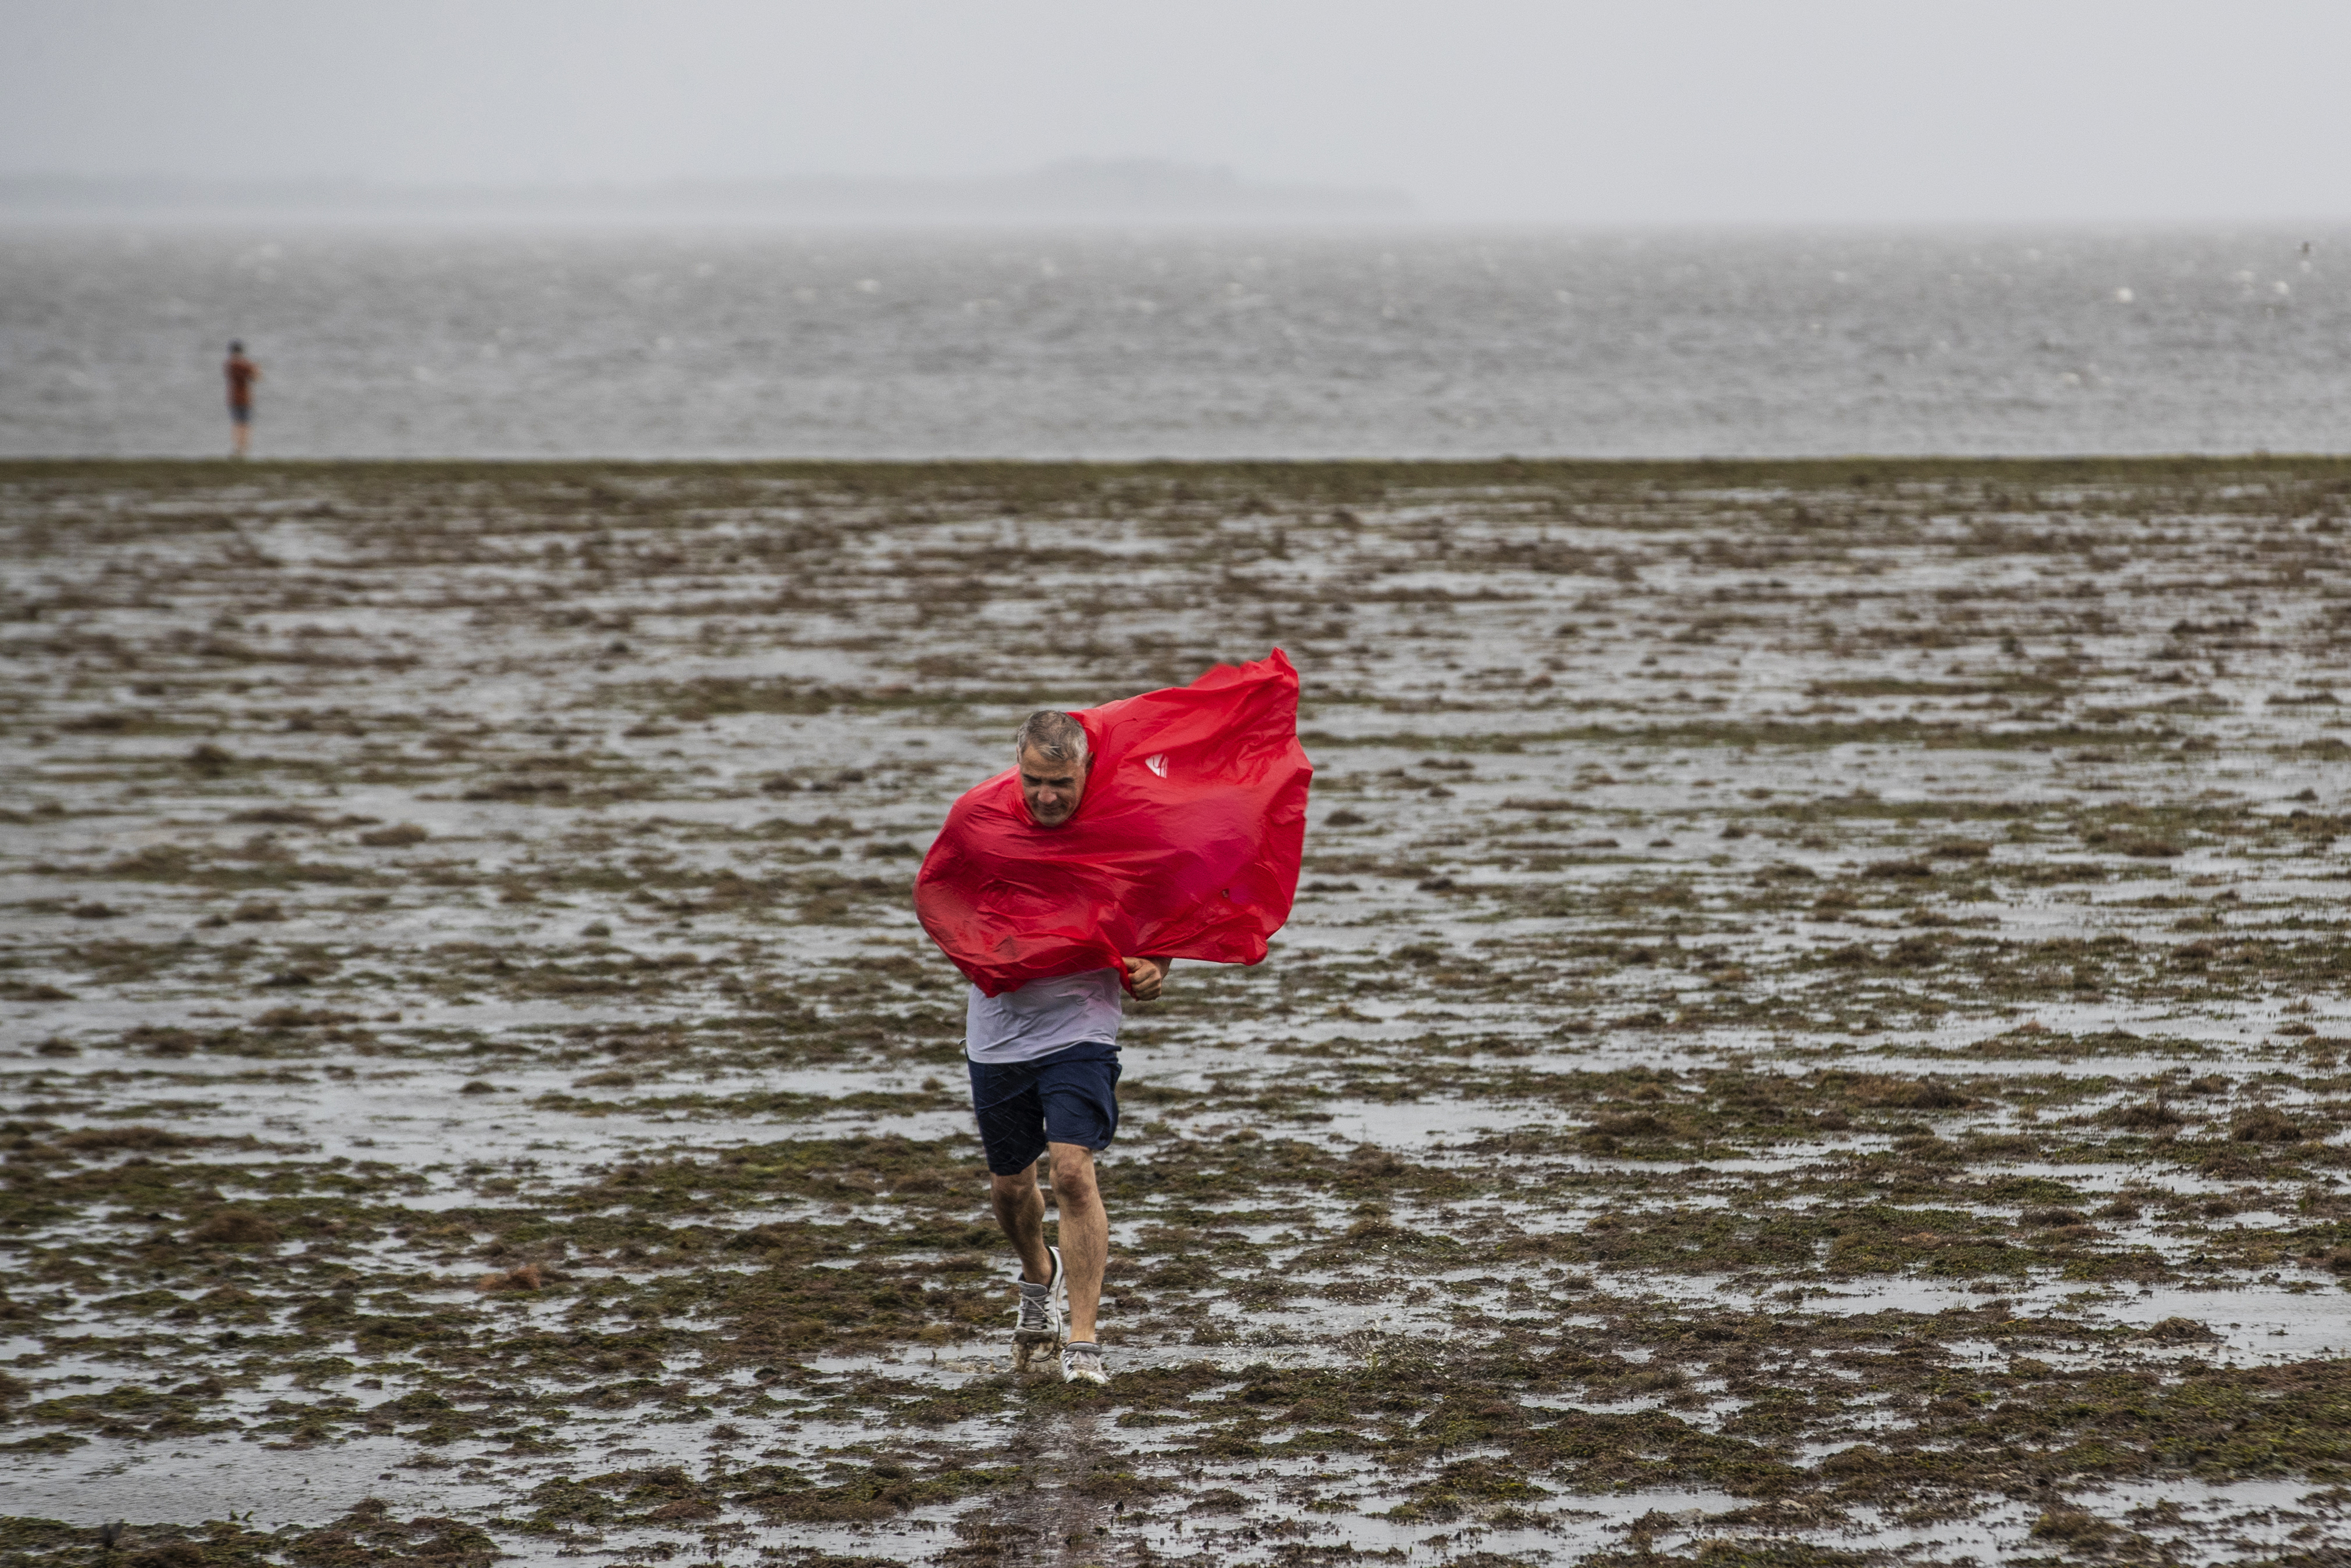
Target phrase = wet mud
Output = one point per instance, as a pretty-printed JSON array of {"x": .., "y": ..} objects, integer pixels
[{"x": 1814, "y": 1032}]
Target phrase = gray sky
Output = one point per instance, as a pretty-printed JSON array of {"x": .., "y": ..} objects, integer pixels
[{"x": 1637, "y": 110}]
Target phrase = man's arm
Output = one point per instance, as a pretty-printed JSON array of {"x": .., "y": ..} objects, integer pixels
[{"x": 1145, "y": 976}]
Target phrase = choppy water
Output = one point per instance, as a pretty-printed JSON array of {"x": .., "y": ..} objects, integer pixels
[{"x": 1104, "y": 344}]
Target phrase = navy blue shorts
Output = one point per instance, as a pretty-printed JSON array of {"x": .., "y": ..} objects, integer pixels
[
  {"x": 240, "y": 414},
  {"x": 1069, "y": 1097}
]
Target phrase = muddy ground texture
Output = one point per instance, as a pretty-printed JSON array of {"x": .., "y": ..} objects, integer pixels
[{"x": 1814, "y": 1032}]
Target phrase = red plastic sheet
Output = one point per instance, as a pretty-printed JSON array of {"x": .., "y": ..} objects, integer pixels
[{"x": 1185, "y": 843}]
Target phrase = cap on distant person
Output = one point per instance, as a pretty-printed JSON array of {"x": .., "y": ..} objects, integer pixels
[{"x": 236, "y": 346}]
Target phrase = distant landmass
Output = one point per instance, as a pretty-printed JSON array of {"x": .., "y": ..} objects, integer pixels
[{"x": 1118, "y": 190}]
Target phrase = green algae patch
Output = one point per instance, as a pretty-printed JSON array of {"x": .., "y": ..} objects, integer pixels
[{"x": 368, "y": 1535}]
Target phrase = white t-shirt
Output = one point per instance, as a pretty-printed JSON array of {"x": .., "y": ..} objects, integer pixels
[{"x": 1044, "y": 1015}]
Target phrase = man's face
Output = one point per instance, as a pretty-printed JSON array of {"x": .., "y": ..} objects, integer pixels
[{"x": 1052, "y": 788}]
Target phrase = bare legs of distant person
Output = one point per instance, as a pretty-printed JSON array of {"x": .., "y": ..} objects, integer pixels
[
  {"x": 1085, "y": 1229},
  {"x": 241, "y": 433}
]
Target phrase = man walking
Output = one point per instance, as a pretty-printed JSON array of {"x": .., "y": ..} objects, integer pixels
[
  {"x": 1044, "y": 1080},
  {"x": 1166, "y": 825},
  {"x": 240, "y": 373}
]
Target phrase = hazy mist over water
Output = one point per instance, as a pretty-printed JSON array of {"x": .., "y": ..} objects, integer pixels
[{"x": 1176, "y": 343}]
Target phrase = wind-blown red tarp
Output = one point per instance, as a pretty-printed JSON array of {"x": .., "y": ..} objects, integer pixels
[{"x": 1185, "y": 842}]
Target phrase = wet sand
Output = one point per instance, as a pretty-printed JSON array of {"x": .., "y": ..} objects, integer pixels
[{"x": 1812, "y": 1031}]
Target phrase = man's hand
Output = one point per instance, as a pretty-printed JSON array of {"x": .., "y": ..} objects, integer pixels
[{"x": 1144, "y": 976}]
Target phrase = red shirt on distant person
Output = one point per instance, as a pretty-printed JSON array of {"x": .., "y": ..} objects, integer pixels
[{"x": 242, "y": 374}]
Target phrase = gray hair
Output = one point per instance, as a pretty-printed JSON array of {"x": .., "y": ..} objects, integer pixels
[{"x": 1055, "y": 737}]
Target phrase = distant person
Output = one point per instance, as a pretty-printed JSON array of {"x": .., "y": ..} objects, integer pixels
[{"x": 240, "y": 373}]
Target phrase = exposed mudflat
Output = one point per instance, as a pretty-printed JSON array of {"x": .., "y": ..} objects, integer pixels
[{"x": 1813, "y": 1030}]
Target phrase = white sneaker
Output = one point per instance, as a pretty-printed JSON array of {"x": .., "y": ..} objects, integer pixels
[
  {"x": 1081, "y": 1362},
  {"x": 1039, "y": 1322}
]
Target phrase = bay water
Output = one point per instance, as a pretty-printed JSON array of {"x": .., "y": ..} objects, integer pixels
[{"x": 1102, "y": 343}]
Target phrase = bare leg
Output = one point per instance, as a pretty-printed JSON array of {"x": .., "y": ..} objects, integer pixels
[
  {"x": 1085, "y": 1233},
  {"x": 1021, "y": 1210},
  {"x": 244, "y": 436}
]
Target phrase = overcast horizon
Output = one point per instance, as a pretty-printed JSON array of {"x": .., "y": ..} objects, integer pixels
[{"x": 1814, "y": 112}]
